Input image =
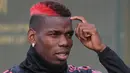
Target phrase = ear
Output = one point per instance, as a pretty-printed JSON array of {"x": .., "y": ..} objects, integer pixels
[{"x": 31, "y": 36}]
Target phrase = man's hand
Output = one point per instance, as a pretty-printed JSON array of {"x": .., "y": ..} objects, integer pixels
[{"x": 88, "y": 35}]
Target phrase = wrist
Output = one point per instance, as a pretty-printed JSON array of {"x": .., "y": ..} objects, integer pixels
[{"x": 101, "y": 48}]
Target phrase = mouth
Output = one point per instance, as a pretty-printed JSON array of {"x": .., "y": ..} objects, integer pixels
[{"x": 62, "y": 55}]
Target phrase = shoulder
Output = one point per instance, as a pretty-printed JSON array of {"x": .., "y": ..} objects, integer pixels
[
  {"x": 81, "y": 69},
  {"x": 14, "y": 69}
]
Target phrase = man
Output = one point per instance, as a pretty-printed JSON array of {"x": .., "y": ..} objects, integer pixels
[{"x": 50, "y": 35}]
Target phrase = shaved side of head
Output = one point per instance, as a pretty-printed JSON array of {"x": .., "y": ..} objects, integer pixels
[{"x": 47, "y": 8}]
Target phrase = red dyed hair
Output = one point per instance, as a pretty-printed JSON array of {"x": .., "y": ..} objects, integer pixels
[{"x": 41, "y": 8}]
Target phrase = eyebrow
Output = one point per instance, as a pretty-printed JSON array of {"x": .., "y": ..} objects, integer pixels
[
  {"x": 53, "y": 30},
  {"x": 70, "y": 31},
  {"x": 58, "y": 31}
]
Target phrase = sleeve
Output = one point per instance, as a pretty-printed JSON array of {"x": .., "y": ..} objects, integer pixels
[
  {"x": 111, "y": 61},
  {"x": 82, "y": 69}
]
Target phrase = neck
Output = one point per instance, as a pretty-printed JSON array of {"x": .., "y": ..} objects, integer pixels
[{"x": 35, "y": 63}]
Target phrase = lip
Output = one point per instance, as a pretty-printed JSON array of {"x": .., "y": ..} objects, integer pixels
[
  {"x": 62, "y": 55},
  {"x": 63, "y": 52}
]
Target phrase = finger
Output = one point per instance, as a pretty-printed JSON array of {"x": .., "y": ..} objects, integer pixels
[
  {"x": 81, "y": 34},
  {"x": 90, "y": 28},
  {"x": 77, "y": 29},
  {"x": 82, "y": 19},
  {"x": 84, "y": 27},
  {"x": 87, "y": 33}
]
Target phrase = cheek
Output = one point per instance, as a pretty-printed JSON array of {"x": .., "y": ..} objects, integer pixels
[
  {"x": 49, "y": 43},
  {"x": 70, "y": 42}
]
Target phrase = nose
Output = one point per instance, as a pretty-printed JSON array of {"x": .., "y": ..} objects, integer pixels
[{"x": 63, "y": 42}]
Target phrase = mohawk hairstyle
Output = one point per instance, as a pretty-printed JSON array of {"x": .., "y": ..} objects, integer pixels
[{"x": 47, "y": 8}]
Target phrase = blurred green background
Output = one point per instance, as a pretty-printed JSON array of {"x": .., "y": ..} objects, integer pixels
[{"x": 111, "y": 17}]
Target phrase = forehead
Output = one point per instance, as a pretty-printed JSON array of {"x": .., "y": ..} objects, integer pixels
[{"x": 57, "y": 22}]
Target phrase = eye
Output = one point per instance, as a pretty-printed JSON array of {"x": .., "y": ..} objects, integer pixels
[
  {"x": 54, "y": 34},
  {"x": 70, "y": 34}
]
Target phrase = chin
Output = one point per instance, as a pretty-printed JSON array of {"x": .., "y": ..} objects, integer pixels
[{"x": 60, "y": 62}]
